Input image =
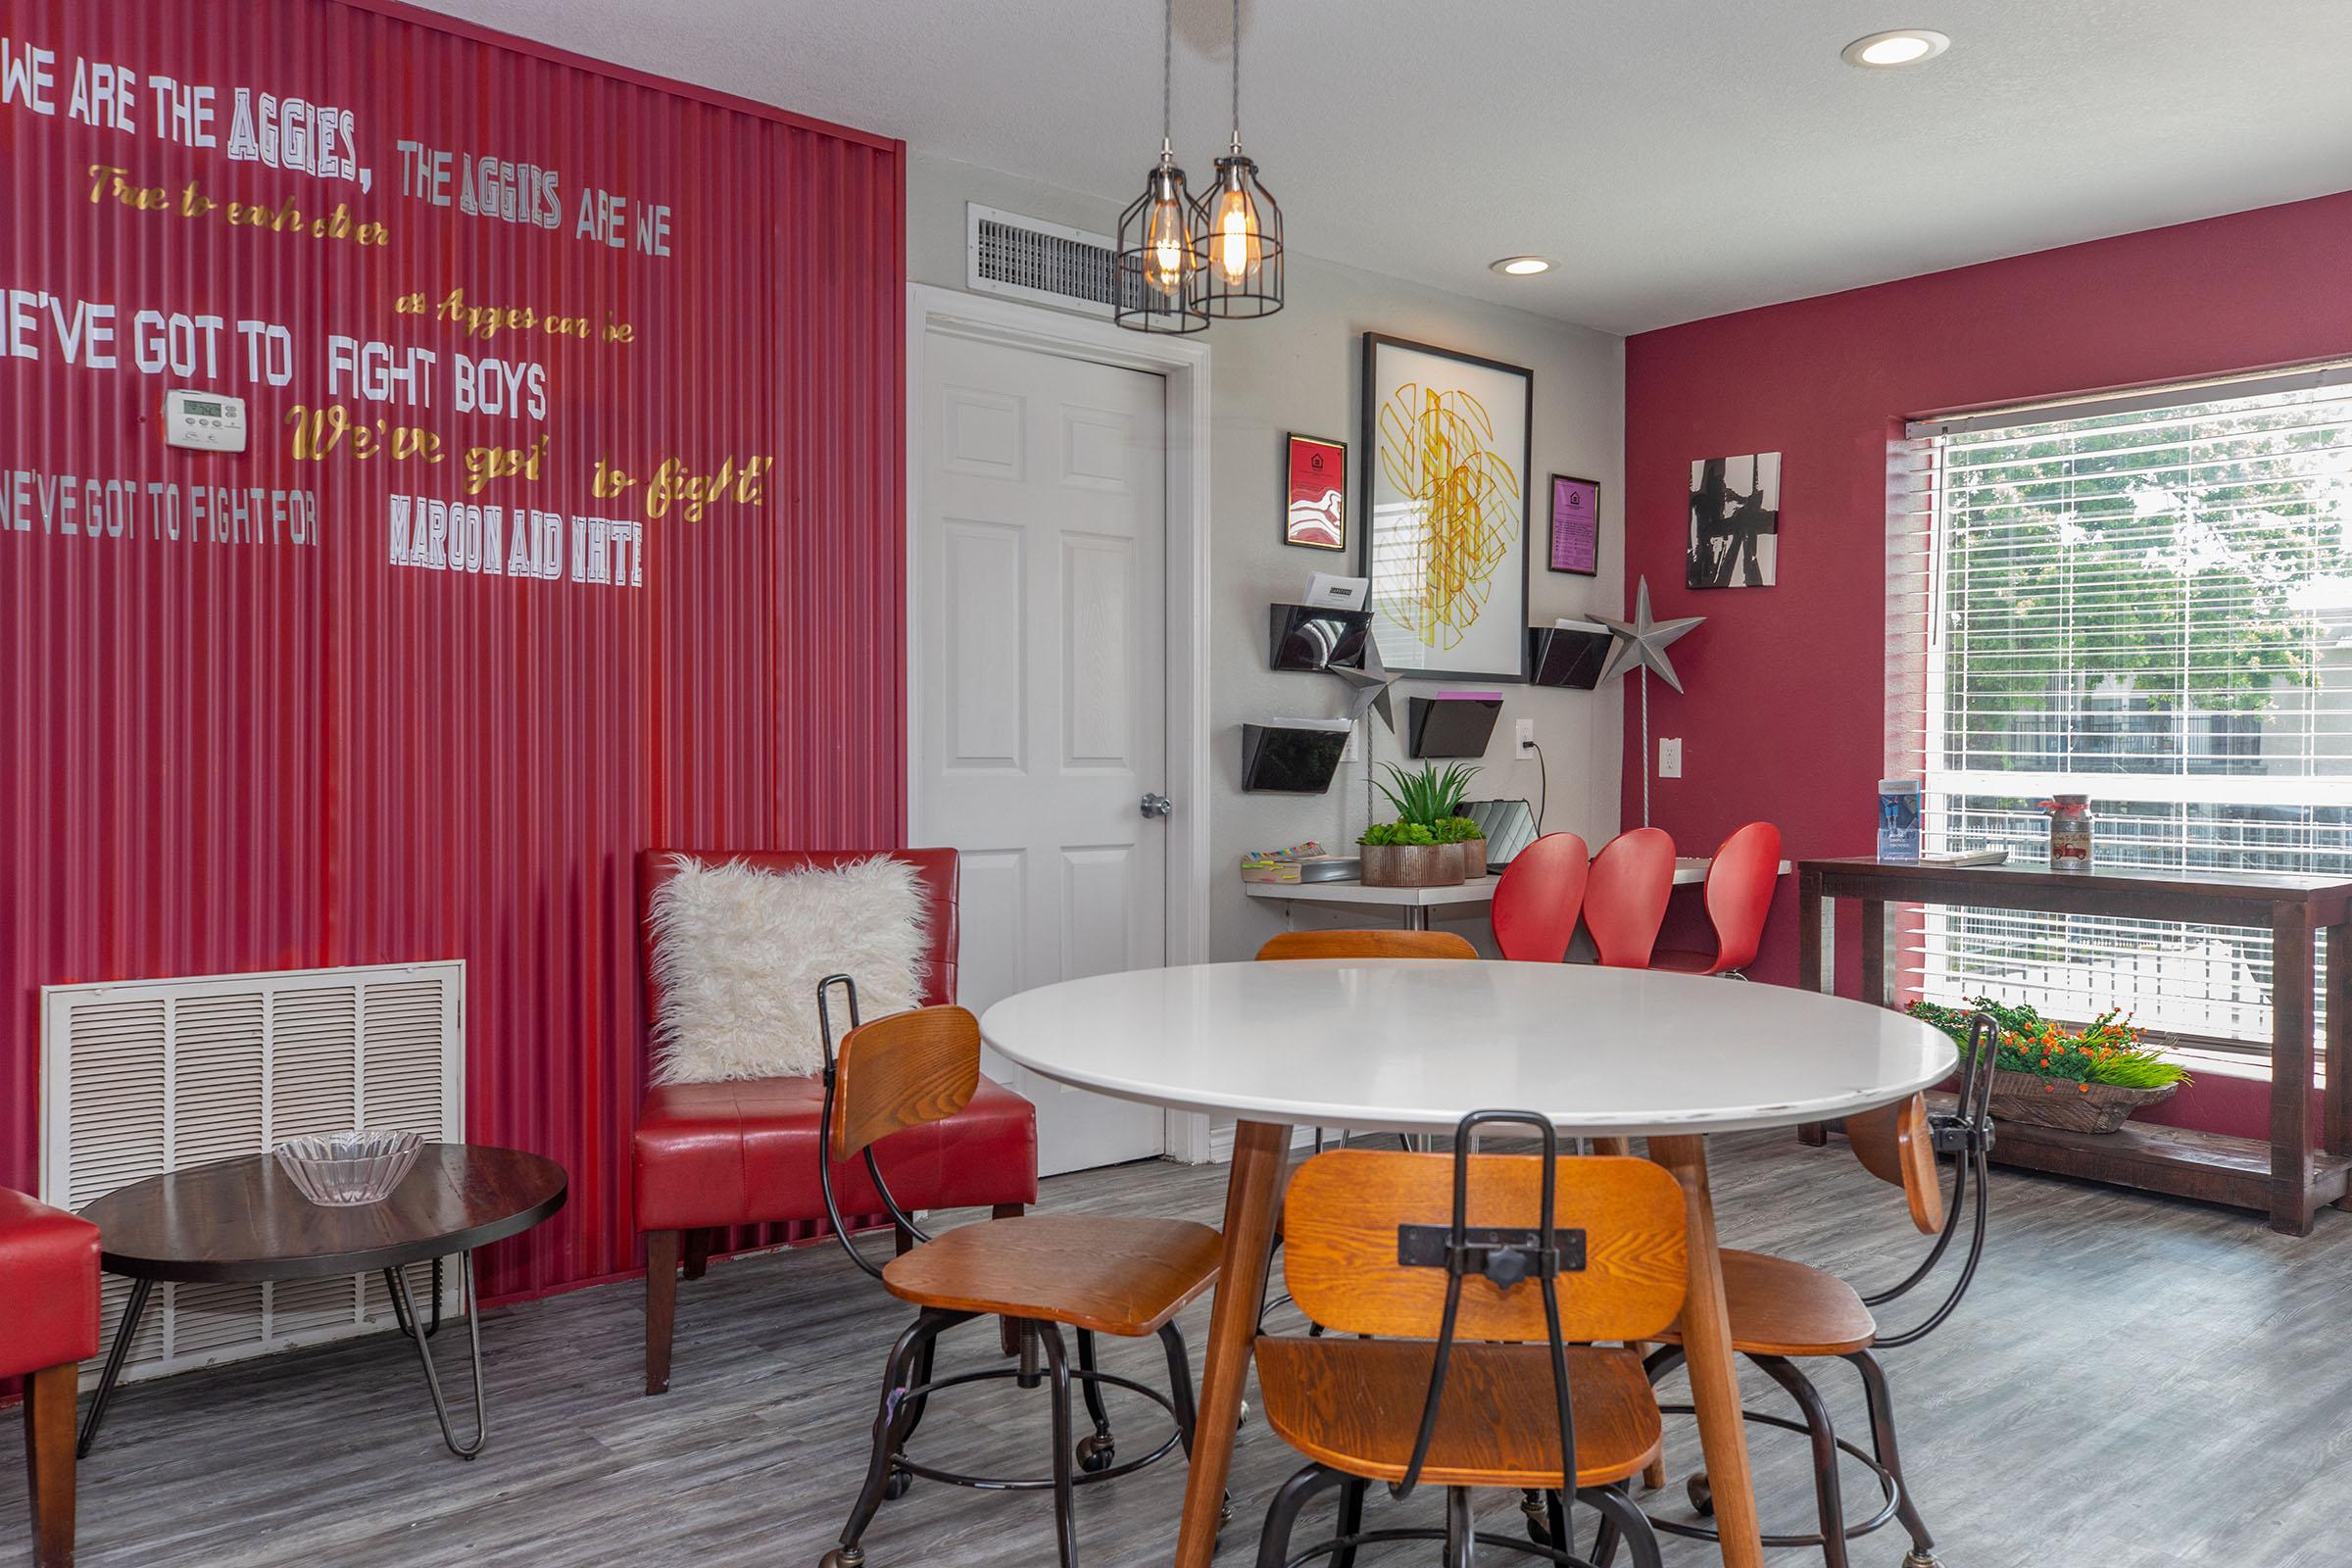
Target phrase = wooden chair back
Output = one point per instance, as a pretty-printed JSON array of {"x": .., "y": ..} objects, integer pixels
[
  {"x": 1367, "y": 945},
  {"x": 1340, "y": 1241},
  {"x": 900, "y": 1071},
  {"x": 1895, "y": 1144}
]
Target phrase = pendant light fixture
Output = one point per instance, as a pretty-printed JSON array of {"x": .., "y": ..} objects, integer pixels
[
  {"x": 1240, "y": 274},
  {"x": 1160, "y": 247}
]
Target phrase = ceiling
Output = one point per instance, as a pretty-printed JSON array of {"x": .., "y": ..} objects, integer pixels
[{"x": 1677, "y": 158}]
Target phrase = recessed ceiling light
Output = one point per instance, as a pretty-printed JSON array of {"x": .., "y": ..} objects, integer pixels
[
  {"x": 1521, "y": 265},
  {"x": 1905, "y": 46}
]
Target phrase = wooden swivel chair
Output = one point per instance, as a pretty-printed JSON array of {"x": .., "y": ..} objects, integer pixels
[
  {"x": 1097, "y": 1274},
  {"x": 1491, "y": 1271},
  {"x": 1375, "y": 944},
  {"x": 1783, "y": 1311},
  {"x": 1366, "y": 945}
]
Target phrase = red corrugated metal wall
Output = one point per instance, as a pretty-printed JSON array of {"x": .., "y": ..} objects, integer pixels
[{"x": 283, "y": 748}]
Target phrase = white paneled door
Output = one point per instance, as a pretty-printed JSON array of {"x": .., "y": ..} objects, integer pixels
[{"x": 1039, "y": 697}]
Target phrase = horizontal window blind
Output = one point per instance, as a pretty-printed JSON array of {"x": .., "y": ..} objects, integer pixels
[{"x": 2149, "y": 605}]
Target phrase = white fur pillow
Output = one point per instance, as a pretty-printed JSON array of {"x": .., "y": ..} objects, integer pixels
[{"x": 738, "y": 953}]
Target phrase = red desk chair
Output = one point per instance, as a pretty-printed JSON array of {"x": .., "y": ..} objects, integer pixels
[
  {"x": 1540, "y": 897},
  {"x": 711, "y": 1156},
  {"x": 1625, "y": 899},
  {"x": 1740, "y": 886},
  {"x": 48, "y": 1327}
]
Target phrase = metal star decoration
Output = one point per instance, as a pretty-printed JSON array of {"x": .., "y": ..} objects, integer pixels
[
  {"x": 1369, "y": 686},
  {"x": 1641, "y": 642}
]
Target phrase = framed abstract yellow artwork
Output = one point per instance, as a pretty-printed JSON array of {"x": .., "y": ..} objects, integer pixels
[{"x": 1446, "y": 457}]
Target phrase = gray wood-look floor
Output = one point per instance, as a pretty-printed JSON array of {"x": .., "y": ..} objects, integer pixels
[{"x": 2133, "y": 1382}]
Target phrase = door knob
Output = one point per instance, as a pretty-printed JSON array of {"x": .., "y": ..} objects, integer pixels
[{"x": 1158, "y": 806}]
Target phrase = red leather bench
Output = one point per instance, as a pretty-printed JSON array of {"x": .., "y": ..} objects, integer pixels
[
  {"x": 710, "y": 1157},
  {"x": 48, "y": 1327}
]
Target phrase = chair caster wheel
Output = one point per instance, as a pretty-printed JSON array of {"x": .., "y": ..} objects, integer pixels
[
  {"x": 898, "y": 1485},
  {"x": 1702, "y": 1496},
  {"x": 1539, "y": 1522},
  {"x": 1097, "y": 1453},
  {"x": 1919, "y": 1559},
  {"x": 842, "y": 1557}
]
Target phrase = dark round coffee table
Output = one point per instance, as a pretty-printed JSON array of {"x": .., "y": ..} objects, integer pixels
[{"x": 242, "y": 1220}]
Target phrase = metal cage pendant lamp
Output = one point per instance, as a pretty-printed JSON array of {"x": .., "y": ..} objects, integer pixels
[
  {"x": 1241, "y": 273},
  {"x": 1160, "y": 234}
]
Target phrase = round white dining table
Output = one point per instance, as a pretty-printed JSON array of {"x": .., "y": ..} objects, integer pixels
[{"x": 1412, "y": 1045}]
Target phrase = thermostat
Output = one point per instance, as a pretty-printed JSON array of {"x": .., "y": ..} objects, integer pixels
[{"x": 208, "y": 421}]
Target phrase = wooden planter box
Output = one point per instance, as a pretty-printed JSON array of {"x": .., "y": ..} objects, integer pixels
[
  {"x": 1474, "y": 857},
  {"x": 1411, "y": 865},
  {"x": 2076, "y": 1108}
]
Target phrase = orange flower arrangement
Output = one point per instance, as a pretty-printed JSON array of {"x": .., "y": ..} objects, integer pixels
[{"x": 2106, "y": 1051}]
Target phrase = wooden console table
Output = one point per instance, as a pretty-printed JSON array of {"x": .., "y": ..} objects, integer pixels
[{"x": 2287, "y": 1176}]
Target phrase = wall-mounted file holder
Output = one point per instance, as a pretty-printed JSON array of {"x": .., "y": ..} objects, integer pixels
[
  {"x": 1451, "y": 726},
  {"x": 1567, "y": 656},
  {"x": 1293, "y": 755},
  {"x": 1313, "y": 637}
]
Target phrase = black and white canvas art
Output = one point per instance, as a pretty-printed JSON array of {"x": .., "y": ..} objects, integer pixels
[{"x": 1734, "y": 522}]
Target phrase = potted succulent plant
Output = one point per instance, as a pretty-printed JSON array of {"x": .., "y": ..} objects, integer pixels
[
  {"x": 1430, "y": 844},
  {"x": 1407, "y": 855},
  {"x": 2087, "y": 1080},
  {"x": 1468, "y": 837}
]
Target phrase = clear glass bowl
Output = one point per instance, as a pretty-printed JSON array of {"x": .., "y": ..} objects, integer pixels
[{"x": 345, "y": 1169}]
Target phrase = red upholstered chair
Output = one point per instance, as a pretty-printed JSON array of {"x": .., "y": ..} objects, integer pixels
[
  {"x": 48, "y": 1327},
  {"x": 1625, "y": 899},
  {"x": 1740, "y": 884},
  {"x": 710, "y": 1157},
  {"x": 1540, "y": 897}
]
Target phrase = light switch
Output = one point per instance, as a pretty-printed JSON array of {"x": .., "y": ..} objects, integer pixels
[{"x": 1670, "y": 756}]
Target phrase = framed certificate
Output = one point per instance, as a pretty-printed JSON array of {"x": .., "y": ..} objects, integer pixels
[
  {"x": 1575, "y": 526},
  {"x": 1315, "y": 494}
]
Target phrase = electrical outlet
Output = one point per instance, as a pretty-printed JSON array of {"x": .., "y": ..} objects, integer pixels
[
  {"x": 1670, "y": 756},
  {"x": 1527, "y": 736}
]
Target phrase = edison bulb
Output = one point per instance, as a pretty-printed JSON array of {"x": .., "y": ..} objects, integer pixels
[
  {"x": 1235, "y": 242},
  {"x": 1167, "y": 241}
]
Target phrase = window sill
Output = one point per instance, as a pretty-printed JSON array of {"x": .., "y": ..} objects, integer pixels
[{"x": 2228, "y": 1065}]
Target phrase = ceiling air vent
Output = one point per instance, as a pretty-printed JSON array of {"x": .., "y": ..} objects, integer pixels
[{"x": 1045, "y": 263}]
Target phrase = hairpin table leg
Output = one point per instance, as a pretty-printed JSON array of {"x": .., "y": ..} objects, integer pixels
[
  {"x": 405, "y": 1309},
  {"x": 125, "y": 1332}
]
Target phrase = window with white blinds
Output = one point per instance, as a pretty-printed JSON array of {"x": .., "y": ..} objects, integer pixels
[{"x": 2147, "y": 601}]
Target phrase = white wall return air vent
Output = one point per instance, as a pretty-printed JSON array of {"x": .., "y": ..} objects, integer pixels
[{"x": 139, "y": 1077}]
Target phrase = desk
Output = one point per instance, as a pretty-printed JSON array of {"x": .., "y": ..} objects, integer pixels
[
  {"x": 1414, "y": 903},
  {"x": 2287, "y": 1176},
  {"x": 1348, "y": 1043}
]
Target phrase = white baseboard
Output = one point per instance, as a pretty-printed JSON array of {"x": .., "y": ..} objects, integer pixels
[{"x": 1220, "y": 1142}]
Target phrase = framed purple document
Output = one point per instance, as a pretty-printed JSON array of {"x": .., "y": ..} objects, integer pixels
[{"x": 1575, "y": 526}]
